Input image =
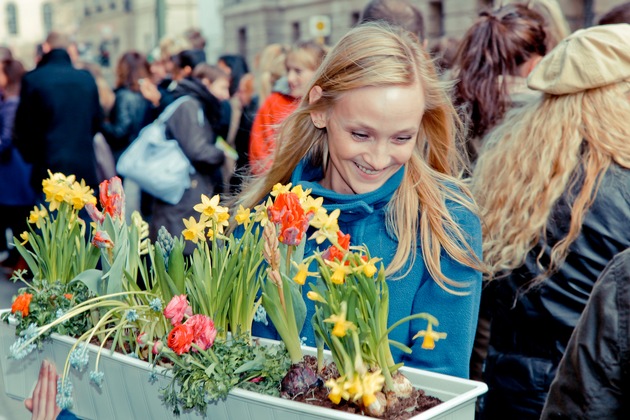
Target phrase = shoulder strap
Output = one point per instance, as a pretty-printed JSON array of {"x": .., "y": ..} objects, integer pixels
[{"x": 171, "y": 108}]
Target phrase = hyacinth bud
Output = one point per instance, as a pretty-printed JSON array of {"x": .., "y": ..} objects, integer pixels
[
  {"x": 271, "y": 252},
  {"x": 165, "y": 239},
  {"x": 276, "y": 278}
]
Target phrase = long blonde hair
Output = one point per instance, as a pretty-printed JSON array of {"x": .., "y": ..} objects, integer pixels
[
  {"x": 553, "y": 146},
  {"x": 377, "y": 55}
]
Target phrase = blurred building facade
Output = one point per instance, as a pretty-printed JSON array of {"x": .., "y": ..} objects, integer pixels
[
  {"x": 104, "y": 29},
  {"x": 107, "y": 28},
  {"x": 249, "y": 25}
]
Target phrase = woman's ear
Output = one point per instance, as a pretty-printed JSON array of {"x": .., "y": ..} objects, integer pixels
[
  {"x": 314, "y": 94},
  {"x": 319, "y": 116}
]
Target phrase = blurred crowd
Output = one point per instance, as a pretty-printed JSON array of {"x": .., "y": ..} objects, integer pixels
[{"x": 548, "y": 162}]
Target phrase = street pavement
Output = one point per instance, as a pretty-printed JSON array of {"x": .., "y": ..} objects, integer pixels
[{"x": 10, "y": 409}]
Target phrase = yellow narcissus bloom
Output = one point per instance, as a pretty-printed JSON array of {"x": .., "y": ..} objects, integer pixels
[
  {"x": 37, "y": 216},
  {"x": 372, "y": 383},
  {"x": 313, "y": 205},
  {"x": 222, "y": 218},
  {"x": 24, "y": 237},
  {"x": 369, "y": 267},
  {"x": 79, "y": 195},
  {"x": 339, "y": 269},
  {"x": 327, "y": 225},
  {"x": 300, "y": 277},
  {"x": 56, "y": 188},
  {"x": 338, "y": 390},
  {"x": 301, "y": 193},
  {"x": 355, "y": 387},
  {"x": 430, "y": 337},
  {"x": 242, "y": 216},
  {"x": 260, "y": 212},
  {"x": 315, "y": 297},
  {"x": 208, "y": 206},
  {"x": 341, "y": 324},
  {"x": 194, "y": 229},
  {"x": 280, "y": 189}
]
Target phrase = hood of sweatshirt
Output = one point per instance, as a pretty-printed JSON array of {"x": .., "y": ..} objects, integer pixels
[{"x": 352, "y": 206}]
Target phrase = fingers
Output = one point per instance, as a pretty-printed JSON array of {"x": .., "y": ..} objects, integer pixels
[
  {"x": 43, "y": 404},
  {"x": 50, "y": 391},
  {"x": 28, "y": 403},
  {"x": 43, "y": 370}
]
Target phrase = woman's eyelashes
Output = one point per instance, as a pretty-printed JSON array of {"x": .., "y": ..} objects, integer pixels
[{"x": 364, "y": 136}]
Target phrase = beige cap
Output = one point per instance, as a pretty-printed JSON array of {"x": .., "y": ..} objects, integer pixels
[{"x": 587, "y": 59}]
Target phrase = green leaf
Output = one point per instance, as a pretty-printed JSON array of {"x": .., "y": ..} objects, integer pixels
[
  {"x": 210, "y": 370},
  {"x": 93, "y": 279},
  {"x": 176, "y": 269}
]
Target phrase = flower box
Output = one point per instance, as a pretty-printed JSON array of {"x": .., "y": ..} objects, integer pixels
[{"x": 127, "y": 393}]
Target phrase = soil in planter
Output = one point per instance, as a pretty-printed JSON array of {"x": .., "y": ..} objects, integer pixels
[{"x": 403, "y": 409}]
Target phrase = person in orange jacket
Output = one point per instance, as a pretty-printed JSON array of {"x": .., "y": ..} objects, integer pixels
[{"x": 302, "y": 61}]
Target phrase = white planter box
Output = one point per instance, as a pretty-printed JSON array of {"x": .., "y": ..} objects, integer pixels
[{"x": 127, "y": 393}]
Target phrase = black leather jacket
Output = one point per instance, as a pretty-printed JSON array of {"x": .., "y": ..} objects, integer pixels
[
  {"x": 126, "y": 119},
  {"x": 593, "y": 380},
  {"x": 530, "y": 331}
]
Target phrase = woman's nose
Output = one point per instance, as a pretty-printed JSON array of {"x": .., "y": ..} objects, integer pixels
[{"x": 378, "y": 156}]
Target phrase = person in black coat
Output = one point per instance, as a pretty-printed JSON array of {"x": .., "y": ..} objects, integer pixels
[
  {"x": 553, "y": 183},
  {"x": 58, "y": 116},
  {"x": 593, "y": 377}
]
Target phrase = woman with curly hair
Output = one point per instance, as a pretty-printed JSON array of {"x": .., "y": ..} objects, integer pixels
[
  {"x": 374, "y": 136},
  {"x": 553, "y": 185},
  {"x": 493, "y": 59}
]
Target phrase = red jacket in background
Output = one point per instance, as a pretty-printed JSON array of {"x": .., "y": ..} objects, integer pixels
[{"x": 263, "y": 138}]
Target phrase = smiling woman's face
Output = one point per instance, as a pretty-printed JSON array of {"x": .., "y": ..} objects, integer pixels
[{"x": 372, "y": 132}]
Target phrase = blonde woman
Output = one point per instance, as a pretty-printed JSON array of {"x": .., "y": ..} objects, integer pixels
[
  {"x": 553, "y": 185},
  {"x": 374, "y": 136}
]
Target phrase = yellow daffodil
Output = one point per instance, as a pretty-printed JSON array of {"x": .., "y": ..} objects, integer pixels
[
  {"x": 260, "y": 212},
  {"x": 79, "y": 195},
  {"x": 341, "y": 324},
  {"x": 194, "y": 229},
  {"x": 315, "y": 297},
  {"x": 327, "y": 225},
  {"x": 301, "y": 193},
  {"x": 372, "y": 383},
  {"x": 313, "y": 205},
  {"x": 355, "y": 387},
  {"x": 242, "y": 216},
  {"x": 338, "y": 390},
  {"x": 280, "y": 189},
  {"x": 208, "y": 206},
  {"x": 300, "y": 277},
  {"x": 369, "y": 267},
  {"x": 37, "y": 216},
  {"x": 221, "y": 218},
  {"x": 430, "y": 337},
  {"x": 340, "y": 270},
  {"x": 24, "y": 237}
]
